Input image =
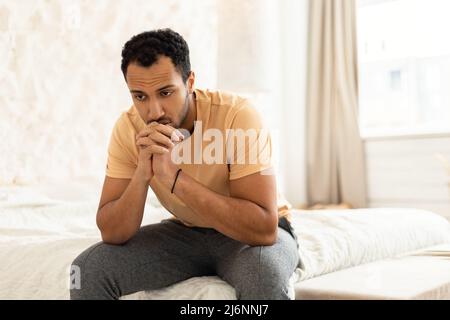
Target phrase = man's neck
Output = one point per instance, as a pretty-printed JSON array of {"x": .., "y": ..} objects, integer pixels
[{"x": 188, "y": 123}]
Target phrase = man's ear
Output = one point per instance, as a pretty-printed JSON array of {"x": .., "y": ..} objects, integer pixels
[{"x": 190, "y": 82}]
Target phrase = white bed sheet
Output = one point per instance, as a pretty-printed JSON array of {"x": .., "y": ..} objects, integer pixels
[{"x": 40, "y": 235}]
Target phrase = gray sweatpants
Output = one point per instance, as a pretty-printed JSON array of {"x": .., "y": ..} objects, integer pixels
[{"x": 168, "y": 252}]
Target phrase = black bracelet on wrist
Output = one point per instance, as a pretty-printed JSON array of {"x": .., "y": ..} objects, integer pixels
[{"x": 174, "y": 181}]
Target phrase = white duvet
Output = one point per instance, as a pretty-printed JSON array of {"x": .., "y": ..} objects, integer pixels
[{"x": 41, "y": 235}]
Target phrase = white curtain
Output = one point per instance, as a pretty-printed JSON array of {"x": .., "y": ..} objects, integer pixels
[{"x": 335, "y": 153}]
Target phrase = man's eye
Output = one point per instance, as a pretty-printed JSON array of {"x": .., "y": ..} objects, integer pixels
[
  {"x": 140, "y": 97},
  {"x": 166, "y": 93}
]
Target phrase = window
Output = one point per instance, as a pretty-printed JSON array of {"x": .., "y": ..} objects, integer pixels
[{"x": 404, "y": 66}]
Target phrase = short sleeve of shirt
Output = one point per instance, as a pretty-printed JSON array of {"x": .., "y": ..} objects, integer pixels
[
  {"x": 249, "y": 145},
  {"x": 122, "y": 161}
]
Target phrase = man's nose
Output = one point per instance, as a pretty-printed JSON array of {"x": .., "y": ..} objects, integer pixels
[{"x": 155, "y": 110}]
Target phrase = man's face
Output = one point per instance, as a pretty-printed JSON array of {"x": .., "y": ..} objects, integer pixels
[{"x": 158, "y": 92}]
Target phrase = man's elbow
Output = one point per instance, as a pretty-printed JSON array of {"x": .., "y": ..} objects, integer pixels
[
  {"x": 270, "y": 235},
  {"x": 113, "y": 236},
  {"x": 113, "y": 239},
  {"x": 267, "y": 239}
]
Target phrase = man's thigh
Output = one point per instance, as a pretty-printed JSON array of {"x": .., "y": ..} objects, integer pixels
[{"x": 157, "y": 256}]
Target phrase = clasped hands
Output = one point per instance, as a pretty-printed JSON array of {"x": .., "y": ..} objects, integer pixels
[{"x": 155, "y": 144}]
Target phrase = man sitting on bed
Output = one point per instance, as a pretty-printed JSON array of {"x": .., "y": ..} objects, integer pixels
[{"x": 226, "y": 220}]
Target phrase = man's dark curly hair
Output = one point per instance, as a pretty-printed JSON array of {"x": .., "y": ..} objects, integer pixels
[{"x": 146, "y": 47}]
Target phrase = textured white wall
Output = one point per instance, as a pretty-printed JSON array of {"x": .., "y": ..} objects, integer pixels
[
  {"x": 294, "y": 41},
  {"x": 262, "y": 53},
  {"x": 248, "y": 46},
  {"x": 61, "y": 87},
  {"x": 249, "y": 59}
]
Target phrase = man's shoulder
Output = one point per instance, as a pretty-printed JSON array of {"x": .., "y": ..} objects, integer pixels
[
  {"x": 235, "y": 109},
  {"x": 128, "y": 121},
  {"x": 222, "y": 98}
]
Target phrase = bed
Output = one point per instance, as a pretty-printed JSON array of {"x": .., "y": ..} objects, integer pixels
[
  {"x": 381, "y": 253},
  {"x": 420, "y": 275}
]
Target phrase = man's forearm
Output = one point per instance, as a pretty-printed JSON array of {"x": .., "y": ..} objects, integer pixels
[
  {"x": 119, "y": 220},
  {"x": 240, "y": 219}
]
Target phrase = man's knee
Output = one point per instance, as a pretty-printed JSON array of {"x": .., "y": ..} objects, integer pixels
[
  {"x": 89, "y": 272},
  {"x": 263, "y": 278}
]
